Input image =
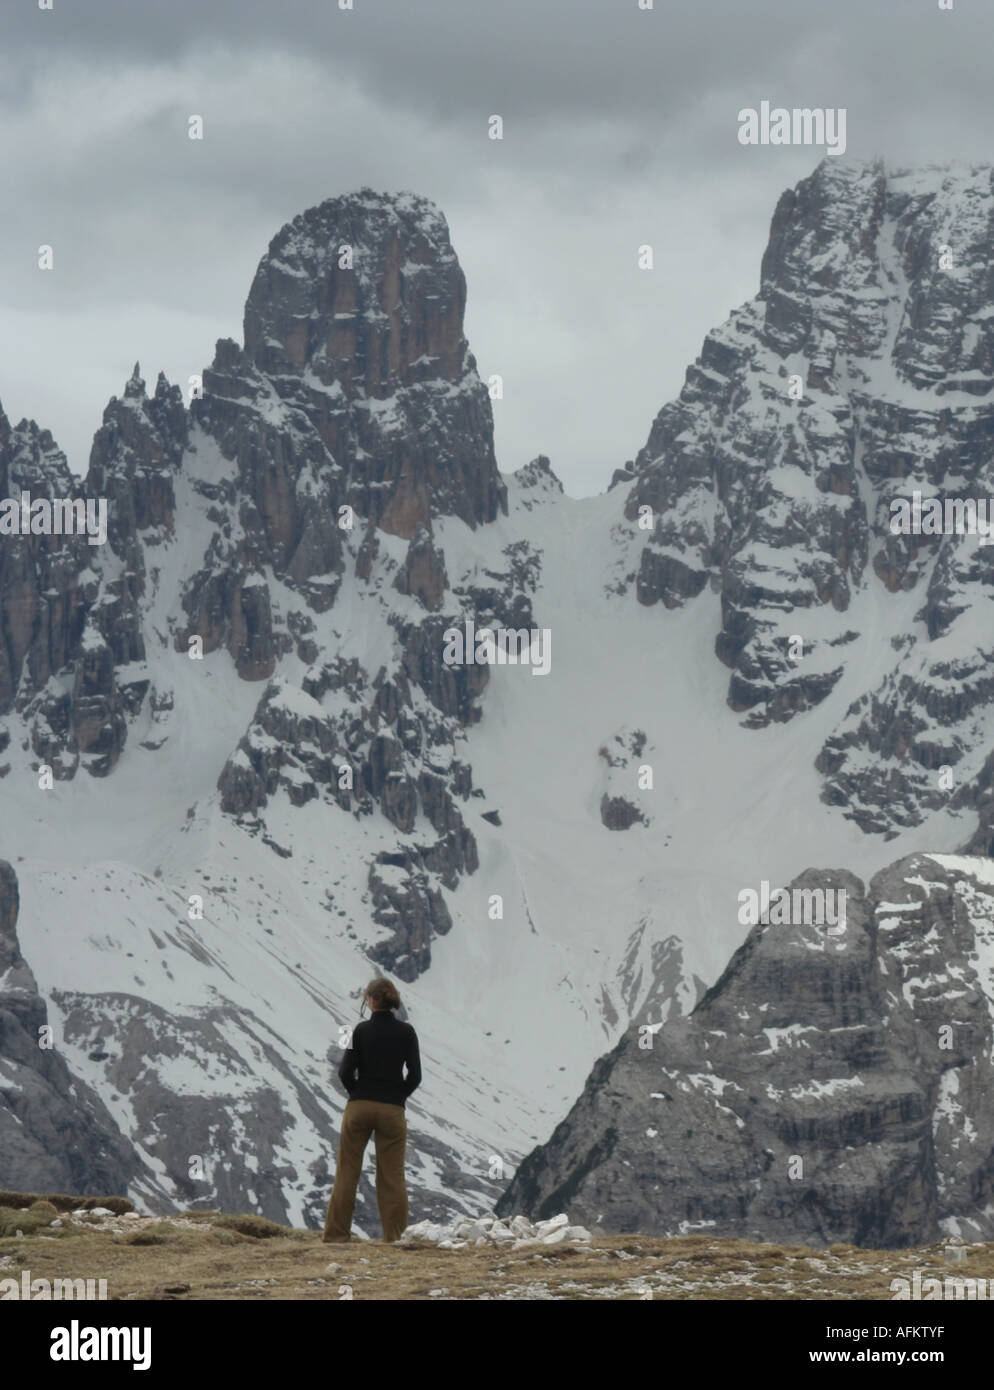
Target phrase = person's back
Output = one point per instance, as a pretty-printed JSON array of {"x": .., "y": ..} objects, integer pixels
[
  {"x": 372, "y": 1071},
  {"x": 373, "y": 1067}
]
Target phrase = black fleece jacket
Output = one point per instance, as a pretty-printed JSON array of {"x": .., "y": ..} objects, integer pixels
[{"x": 373, "y": 1067}]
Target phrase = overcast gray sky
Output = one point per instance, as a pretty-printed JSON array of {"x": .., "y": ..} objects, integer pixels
[{"x": 620, "y": 129}]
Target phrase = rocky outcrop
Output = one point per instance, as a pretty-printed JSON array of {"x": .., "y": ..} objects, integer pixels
[
  {"x": 46, "y": 589},
  {"x": 829, "y": 1087},
  {"x": 537, "y": 483},
  {"x": 861, "y": 371},
  {"x": 55, "y": 1135},
  {"x": 618, "y": 813},
  {"x": 135, "y": 456},
  {"x": 72, "y": 633},
  {"x": 356, "y": 317},
  {"x": 293, "y": 746},
  {"x": 629, "y": 771},
  {"x": 407, "y": 904},
  {"x": 353, "y": 408},
  {"x": 423, "y": 573}
]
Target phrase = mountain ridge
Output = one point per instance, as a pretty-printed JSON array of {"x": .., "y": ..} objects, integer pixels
[{"x": 322, "y": 724}]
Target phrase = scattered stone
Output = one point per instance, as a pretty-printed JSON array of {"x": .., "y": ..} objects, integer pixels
[
  {"x": 555, "y": 1237},
  {"x": 514, "y": 1232}
]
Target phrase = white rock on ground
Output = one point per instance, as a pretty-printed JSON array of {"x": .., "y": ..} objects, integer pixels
[{"x": 512, "y": 1233}]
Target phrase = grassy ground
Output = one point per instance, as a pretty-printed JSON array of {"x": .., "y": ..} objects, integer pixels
[{"x": 207, "y": 1255}]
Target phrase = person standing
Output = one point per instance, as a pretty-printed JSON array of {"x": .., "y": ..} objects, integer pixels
[{"x": 372, "y": 1071}]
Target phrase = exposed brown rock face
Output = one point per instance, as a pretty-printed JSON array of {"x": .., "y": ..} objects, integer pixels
[
  {"x": 423, "y": 573},
  {"x": 356, "y": 316},
  {"x": 355, "y": 401}
]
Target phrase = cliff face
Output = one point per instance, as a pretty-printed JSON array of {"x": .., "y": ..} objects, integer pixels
[
  {"x": 356, "y": 317},
  {"x": 55, "y": 1134},
  {"x": 826, "y": 1089},
  {"x": 861, "y": 372}
]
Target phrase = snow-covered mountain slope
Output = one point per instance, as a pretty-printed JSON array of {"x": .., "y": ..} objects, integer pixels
[{"x": 233, "y": 843}]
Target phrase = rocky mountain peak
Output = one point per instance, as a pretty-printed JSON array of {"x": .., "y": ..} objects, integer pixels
[
  {"x": 859, "y": 373},
  {"x": 354, "y": 321},
  {"x": 30, "y": 460},
  {"x": 890, "y": 266},
  {"x": 135, "y": 385},
  {"x": 538, "y": 474},
  {"x": 361, "y": 289},
  {"x": 827, "y": 1088}
]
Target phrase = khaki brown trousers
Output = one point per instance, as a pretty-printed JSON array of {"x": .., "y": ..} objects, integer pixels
[{"x": 389, "y": 1125}]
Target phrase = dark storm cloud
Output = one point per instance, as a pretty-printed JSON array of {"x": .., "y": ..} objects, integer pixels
[
  {"x": 549, "y": 56},
  {"x": 620, "y": 129}
]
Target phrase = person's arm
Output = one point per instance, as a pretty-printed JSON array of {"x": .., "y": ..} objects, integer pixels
[
  {"x": 413, "y": 1059},
  {"x": 348, "y": 1067}
]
